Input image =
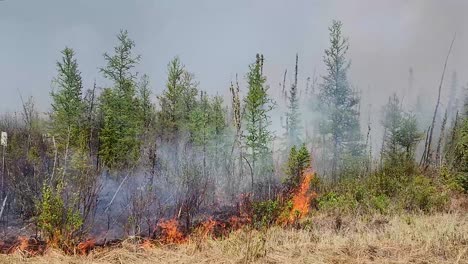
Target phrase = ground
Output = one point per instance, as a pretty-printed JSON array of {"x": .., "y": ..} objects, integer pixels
[{"x": 408, "y": 238}]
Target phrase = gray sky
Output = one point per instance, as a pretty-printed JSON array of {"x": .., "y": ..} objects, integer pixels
[{"x": 217, "y": 39}]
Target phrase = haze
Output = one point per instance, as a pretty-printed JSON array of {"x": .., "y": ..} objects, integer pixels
[{"x": 217, "y": 39}]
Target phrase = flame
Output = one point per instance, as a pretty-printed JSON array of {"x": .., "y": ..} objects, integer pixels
[
  {"x": 83, "y": 248},
  {"x": 146, "y": 244},
  {"x": 302, "y": 198},
  {"x": 207, "y": 228},
  {"x": 31, "y": 247},
  {"x": 23, "y": 243},
  {"x": 170, "y": 232}
]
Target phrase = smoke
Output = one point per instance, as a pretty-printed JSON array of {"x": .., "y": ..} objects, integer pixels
[{"x": 396, "y": 46}]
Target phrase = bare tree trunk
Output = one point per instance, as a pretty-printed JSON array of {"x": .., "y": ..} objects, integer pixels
[
  {"x": 55, "y": 160},
  {"x": 65, "y": 161},
  {"x": 428, "y": 151},
  {"x": 441, "y": 137}
]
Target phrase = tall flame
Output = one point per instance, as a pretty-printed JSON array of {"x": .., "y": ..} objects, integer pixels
[
  {"x": 302, "y": 197},
  {"x": 170, "y": 232}
]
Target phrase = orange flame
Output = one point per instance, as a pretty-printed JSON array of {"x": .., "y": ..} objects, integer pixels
[
  {"x": 207, "y": 228},
  {"x": 302, "y": 198},
  {"x": 170, "y": 232},
  {"x": 32, "y": 247},
  {"x": 84, "y": 247},
  {"x": 23, "y": 243},
  {"x": 146, "y": 244}
]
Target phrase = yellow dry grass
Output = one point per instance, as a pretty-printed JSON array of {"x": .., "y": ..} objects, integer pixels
[{"x": 438, "y": 238}]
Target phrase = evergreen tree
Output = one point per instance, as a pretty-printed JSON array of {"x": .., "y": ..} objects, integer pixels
[
  {"x": 338, "y": 103},
  {"x": 293, "y": 114},
  {"x": 257, "y": 106},
  {"x": 120, "y": 107},
  {"x": 392, "y": 119},
  {"x": 147, "y": 108},
  {"x": 401, "y": 133},
  {"x": 177, "y": 101},
  {"x": 409, "y": 135},
  {"x": 298, "y": 161},
  {"x": 67, "y": 103}
]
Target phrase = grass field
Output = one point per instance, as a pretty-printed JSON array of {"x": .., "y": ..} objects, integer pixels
[{"x": 437, "y": 238}]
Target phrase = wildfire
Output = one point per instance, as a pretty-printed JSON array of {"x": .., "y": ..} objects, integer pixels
[
  {"x": 302, "y": 198},
  {"x": 31, "y": 247},
  {"x": 170, "y": 233},
  {"x": 84, "y": 247},
  {"x": 207, "y": 228},
  {"x": 146, "y": 244}
]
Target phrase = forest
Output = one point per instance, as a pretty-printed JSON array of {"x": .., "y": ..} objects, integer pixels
[{"x": 120, "y": 167}]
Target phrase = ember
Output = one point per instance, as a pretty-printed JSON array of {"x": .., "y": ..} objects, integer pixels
[
  {"x": 28, "y": 246},
  {"x": 170, "y": 233},
  {"x": 83, "y": 248},
  {"x": 207, "y": 228},
  {"x": 146, "y": 244}
]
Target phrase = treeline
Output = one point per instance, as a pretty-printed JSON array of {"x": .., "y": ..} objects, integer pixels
[{"x": 192, "y": 150}]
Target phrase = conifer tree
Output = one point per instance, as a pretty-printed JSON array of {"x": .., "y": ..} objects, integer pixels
[
  {"x": 293, "y": 115},
  {"x": 298, "y": 161},
  {"x": 257, "y": 136},
  {"x": 67, "y": 103},
  {"x": 177, "y": 101},
  {"x": 338, "y": 103},
  {"x": 120, "y": 144}
]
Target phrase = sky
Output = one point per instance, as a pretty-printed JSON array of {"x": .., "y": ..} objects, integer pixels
[{"x": 218, "y": 39}]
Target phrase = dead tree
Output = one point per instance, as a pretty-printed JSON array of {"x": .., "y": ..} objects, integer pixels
[{"x": 427, "y": 151}]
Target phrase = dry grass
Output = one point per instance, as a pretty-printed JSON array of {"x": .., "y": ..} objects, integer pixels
[{"x": 439, "y": 238}]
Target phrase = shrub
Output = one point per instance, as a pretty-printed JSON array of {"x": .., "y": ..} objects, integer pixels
[
  {"x": 58, "y": 223},
  {"x": 422, "y": 194},
  {"x": 381, "y": 203},
  {"x": 266, "y": 213},
  {"x": 338, "y": 203}
]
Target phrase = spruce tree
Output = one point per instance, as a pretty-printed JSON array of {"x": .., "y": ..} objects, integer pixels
[
  {"x": 257, "y": 136},
  {"x": 338, "y": 103},
  {"x": 120, "y": 144},
  {"x": 293, "y": 115},
  {"x": 67, "y": 102},
  {"x": 176, "y": 102}
]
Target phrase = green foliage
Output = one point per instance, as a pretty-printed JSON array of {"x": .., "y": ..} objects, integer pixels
[
  {"x": 386, "y": 191},
  {"x": 337, "y": 101},
  {"x": 337, "y": 203},
  {"x": 298, "y": 161},
  {"x": 293, "y": 115},
  {"x": 147, "y": 110},
  {"x": 67, "y": 104},
  {"x": 58, "y": 222},
  {"x": 381, "y": 203},
  {"x": 257, "y": 136},
  {"x": 422, "y": 194},
  {"x": 401, "y": 133},
  {"x": 461, "y": 154},
  {"x": 266, "y": 213},
  {"x": 177, "y": 101},
  {"x": 120, "y": 107}
]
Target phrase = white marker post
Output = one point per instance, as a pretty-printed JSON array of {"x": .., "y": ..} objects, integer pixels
[{"x": 3, "y": 142}]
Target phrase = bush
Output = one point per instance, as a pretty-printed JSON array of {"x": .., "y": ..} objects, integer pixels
[
  {"x": 266, "y": 213},
  {"x": 337, "y": 203},
  {"x": 58, "y": 223},
  {"x": 422, "y": 194},
  {"x": 385, "y": 192},
  {"x": 381, "y": 203}
]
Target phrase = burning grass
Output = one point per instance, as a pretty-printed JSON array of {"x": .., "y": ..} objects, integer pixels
[{"x": 408, "y": 238}]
